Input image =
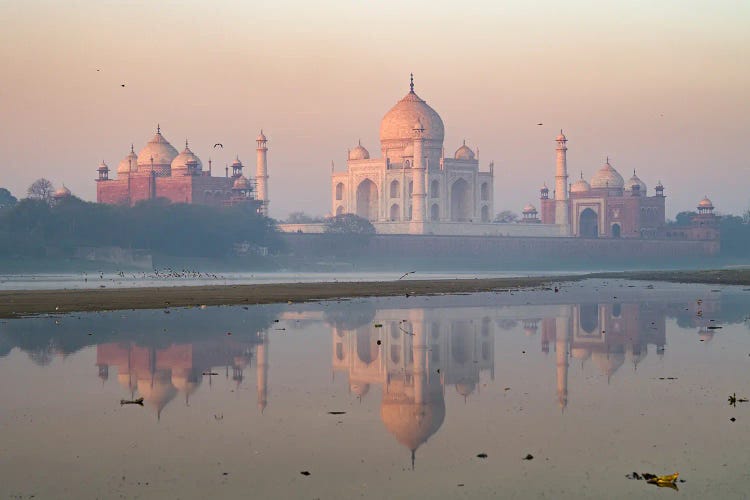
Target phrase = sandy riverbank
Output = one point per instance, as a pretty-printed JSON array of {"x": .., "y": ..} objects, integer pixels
[{"x": 20, "y": 303}]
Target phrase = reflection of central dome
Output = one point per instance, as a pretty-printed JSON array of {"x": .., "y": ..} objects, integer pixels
[
  {"x": 398, "y": 123},
  {"x": 412, "y": 424}
]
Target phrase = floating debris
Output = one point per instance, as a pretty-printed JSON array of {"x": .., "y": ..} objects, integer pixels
[
  {"x": 138, "y": 401},
  {"x": 378, "y": 325},
  {"x": 210, "y": 373},
  {"x": 529, "y": 456},
  {"x": 714, "y": 327},
  {"x": 733, "y": 399},
  {"x": 337, "y": 413},
  {"x": 482, "y": 455},
  {"x": 305, "y": 472}
]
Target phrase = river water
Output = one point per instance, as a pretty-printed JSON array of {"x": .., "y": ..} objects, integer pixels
[{"x": 431, "y": 397}]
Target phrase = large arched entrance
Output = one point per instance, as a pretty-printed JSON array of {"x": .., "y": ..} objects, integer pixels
[
  {"x": 588, "y": 224},
  {"x": 460, "y": 197},
  {"x": 367, "y": 200}
]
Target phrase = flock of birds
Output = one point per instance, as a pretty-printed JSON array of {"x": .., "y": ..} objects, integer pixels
[{"x": 161, "y": 274}]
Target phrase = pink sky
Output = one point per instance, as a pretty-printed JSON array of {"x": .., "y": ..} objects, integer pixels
[{"x": 661, "y": 89}]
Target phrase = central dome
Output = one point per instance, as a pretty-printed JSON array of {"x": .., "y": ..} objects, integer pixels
[
  {"x": 160, "y": 150},
  {"x": 607, "y": 177},
  {"x": 398, "y": 123}
]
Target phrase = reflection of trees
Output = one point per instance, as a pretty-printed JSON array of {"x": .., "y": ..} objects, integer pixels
[
  {"x": 349, "y": 315},
  {"x": 44, "y": 336},
  {"x": 507, "y": 324}
]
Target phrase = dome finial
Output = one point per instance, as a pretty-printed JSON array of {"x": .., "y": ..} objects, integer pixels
[
  {"x": 158, "y": 129},
  {"x": 131, "y": 148},
  {"x": 607, "y": 160},
  {"x": 411, "y": 82},
  {"x": 186, "y": 143}
]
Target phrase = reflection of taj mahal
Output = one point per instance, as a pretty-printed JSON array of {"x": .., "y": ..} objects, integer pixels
[{"x": 414, "y": 360}]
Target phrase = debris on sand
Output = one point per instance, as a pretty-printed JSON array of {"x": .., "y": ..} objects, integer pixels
[
  {"x": 529, "y": 456},
  {"x": 138, "y": 401}
]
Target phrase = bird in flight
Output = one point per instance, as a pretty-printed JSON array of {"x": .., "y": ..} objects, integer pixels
[
  {"x": 407, "y": 274},
  {"x": 219, "y": 144},
  {"x": 122, "y": 85},
  {"x": 540, "y": 123}
]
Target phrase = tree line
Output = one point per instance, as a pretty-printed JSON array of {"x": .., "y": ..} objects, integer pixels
[{"x": 39, "y": 225}]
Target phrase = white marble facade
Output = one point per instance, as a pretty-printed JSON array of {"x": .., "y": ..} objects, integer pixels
[{"x": 388, "y": 190}]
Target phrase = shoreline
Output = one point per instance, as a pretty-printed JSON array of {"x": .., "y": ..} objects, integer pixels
[{"x": 18, "y": 303}]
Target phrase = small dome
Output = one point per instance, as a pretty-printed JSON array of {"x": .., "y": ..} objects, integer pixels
[
  {"x": 261, "y": 137},
  {"x": 580, "y": 186},
  {"x": 464, "y": 153},
  {"x": 581, "y": 353},
  {"x": 103, "y": 167},
  {"x": 607, "y": 177},
  {"x": 465, "y": 387},
  {"x": 129, "y": 163},
  {"x": 237, "y": 162},
  {"x": 705, "y": 203},
  {"x": 359, "y": 153},
  {"x": 529, "y": 209},
  {"x": 182, "y": 160},
  {"x": 636, "y": 181},
  {"x": 159, "y": 149},
  {"x": 63, "y": 192},
  {"x": 544, "y": 189},
  {"x": 659, "y": 185},
  {"x": 241, "y": 183},
  {"x": 359, "y": 389}
]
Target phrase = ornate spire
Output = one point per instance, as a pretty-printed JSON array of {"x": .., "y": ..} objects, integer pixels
[
  {"x": 131, "y": 148},
  {"x": 411, "y": 82},
  {"x": 158, "y": 129},
  {"x": 186, "y": 144}
]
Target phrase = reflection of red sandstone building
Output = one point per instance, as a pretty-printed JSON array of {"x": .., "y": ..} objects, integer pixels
[
  {"x": 608, "y": 334},
  {"x": 160, "y": 374},
  {"x": 159, "y": 171}
]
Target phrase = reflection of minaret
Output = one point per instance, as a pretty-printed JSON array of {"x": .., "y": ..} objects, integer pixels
[
  {"x": 262, "y": 373},
  {"x": 562, "y": 327}
]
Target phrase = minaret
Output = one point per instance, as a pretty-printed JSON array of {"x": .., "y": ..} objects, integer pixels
[
  {"x": 262, "y": 372},
  {"x": 562, "y": 327},
  {"x": 418, "y": 194},
  {"x": 261, "y": 173},
  {"x": 561, "y": 182}
]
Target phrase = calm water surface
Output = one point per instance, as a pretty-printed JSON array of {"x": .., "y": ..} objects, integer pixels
[{"x": 597, "y": 381}]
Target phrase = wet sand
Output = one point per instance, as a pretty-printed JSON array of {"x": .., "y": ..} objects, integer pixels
[{"x": 27, "y": 302}]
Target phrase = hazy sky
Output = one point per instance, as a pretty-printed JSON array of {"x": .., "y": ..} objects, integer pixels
[{"x": 661, "y": 87}]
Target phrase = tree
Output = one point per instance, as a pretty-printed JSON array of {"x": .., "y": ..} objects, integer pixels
[
  {"x": 684, "y": 219},
  {"x": 506, "y": 216},
  {"x": 349, "y": 224},
  {"x": 41, "y": 189},
  {"x": 7, "y": 200},
  {"x": 302, "y": 218}
]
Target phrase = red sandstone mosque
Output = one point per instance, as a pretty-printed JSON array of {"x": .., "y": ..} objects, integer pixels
[{"x": 159, "y": 171}]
